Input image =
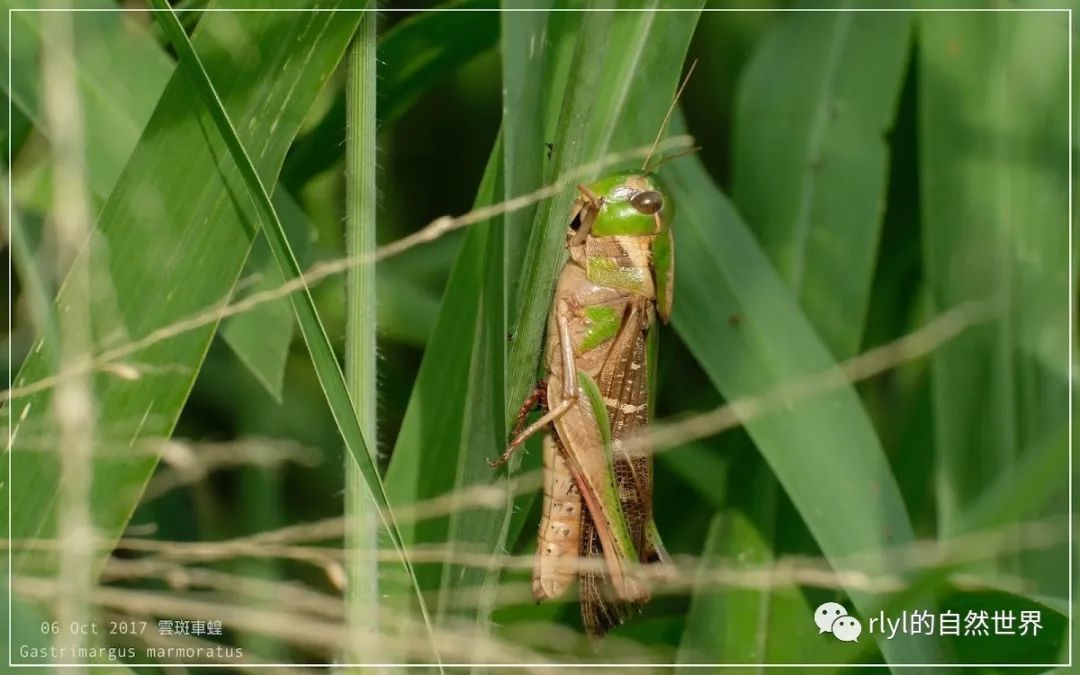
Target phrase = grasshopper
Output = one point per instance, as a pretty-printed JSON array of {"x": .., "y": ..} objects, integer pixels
[{"x": 600, "y": 354}]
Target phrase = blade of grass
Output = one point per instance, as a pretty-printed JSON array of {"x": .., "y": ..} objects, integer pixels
[
  {"x": 746, "y": 625},
  {"x": 449, "y": 423},
  {"x": 362, "y": 521},
  {"x": 525, "y": 57},
  {"x": 261, "y": 338},
  {"x": 638, "y": 38},
  {"x": 483, "y": 425},
  {"x": 562, "y": 33},
  {"x": 118, "y": 105},
  {"x": 413, "y": 55},
  {"x": 424, "y": 460},
  {"x": 730, "y": 626},
  {"x": 322, "y": 353},
  {"x": 1020, "y": 494},
  {"x": 73, "y": 404},
  {"x": 406, "y": 311},
  {"x": 263, "y": 501},
  {"x": 604, "y": 108},
  {"x": 993, "y": 119},
  {"x": 812, "y": 185},
  {"x": 146, "y": 277},
  {"x": 823, "y": 451},
  {"x": 116, "y": 108}
]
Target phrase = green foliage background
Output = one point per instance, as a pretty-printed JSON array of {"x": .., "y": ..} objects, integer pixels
[{"x": 860, "y": 173}]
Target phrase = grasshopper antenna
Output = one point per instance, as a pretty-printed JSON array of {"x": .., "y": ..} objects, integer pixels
[
  {"x": 667, "y": 158},
  {"x": 667, "y": 117}
]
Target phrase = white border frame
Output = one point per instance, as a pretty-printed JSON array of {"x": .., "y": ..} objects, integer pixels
[{"x": 11, "y": 206}]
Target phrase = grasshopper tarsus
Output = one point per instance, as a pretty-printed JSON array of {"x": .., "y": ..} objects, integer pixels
[{"x": 502, "y": 459}]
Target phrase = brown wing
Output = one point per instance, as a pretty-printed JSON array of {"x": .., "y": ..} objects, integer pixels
[
  {"x": 623, "y": 382},
  {"x": 601, "y": 610}
]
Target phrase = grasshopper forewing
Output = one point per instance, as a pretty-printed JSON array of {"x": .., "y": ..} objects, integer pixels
[{"x": 597, "y": 496}]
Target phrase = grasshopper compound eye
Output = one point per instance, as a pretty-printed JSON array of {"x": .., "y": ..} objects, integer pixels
[{"x": 648, "y": 202}]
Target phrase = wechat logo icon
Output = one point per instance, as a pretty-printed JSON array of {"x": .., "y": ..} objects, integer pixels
[{"x": 831, "y": 617}]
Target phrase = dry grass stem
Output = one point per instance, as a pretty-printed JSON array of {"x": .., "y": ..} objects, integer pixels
[{"x": 112, "y": 360}]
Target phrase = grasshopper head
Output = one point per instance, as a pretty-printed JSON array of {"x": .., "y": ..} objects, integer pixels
[{"x": 631, "y": 204}]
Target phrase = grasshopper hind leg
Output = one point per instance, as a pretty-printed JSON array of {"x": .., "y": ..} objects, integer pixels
[{"x": 537, "y": 397}]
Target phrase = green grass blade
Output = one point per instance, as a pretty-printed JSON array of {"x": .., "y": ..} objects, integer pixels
[
  {"x": 994, "y": 217},
  {"x": 594, "y": 119},
  {"x": 824, "y": 451},
  {"x": 407, "y": 310},
  {"x": 527, "y": 62},
  {"x": 448, "y": 431},
  {"x": 413, "y": 55},
  {"x": 603, "y": 109},
  {"x": 728, "y": 623},
  {"x": 115, "y": 108},
  {"x": 362, "y": 520},
  {"x": 728, "y": 626},
  {"x": 425, "y": 457},
  {"x": 810, "y": 159},
  {"x": 733, "y": 625},
  {"x": 484, "y": 414},
  {"x": 118, "y": 104},
  {"x": 1020, "y": 494},
  {"x": 483, "y": 425},
  {"x": 126, "y": 257},
  {"x": 261, "y": 337},
  {"x": 322, "y": 353},
  {"x": 810, "y": 163}
]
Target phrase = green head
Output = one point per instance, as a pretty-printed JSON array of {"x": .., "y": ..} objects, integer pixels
[{"x": 633, "y": 204}]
